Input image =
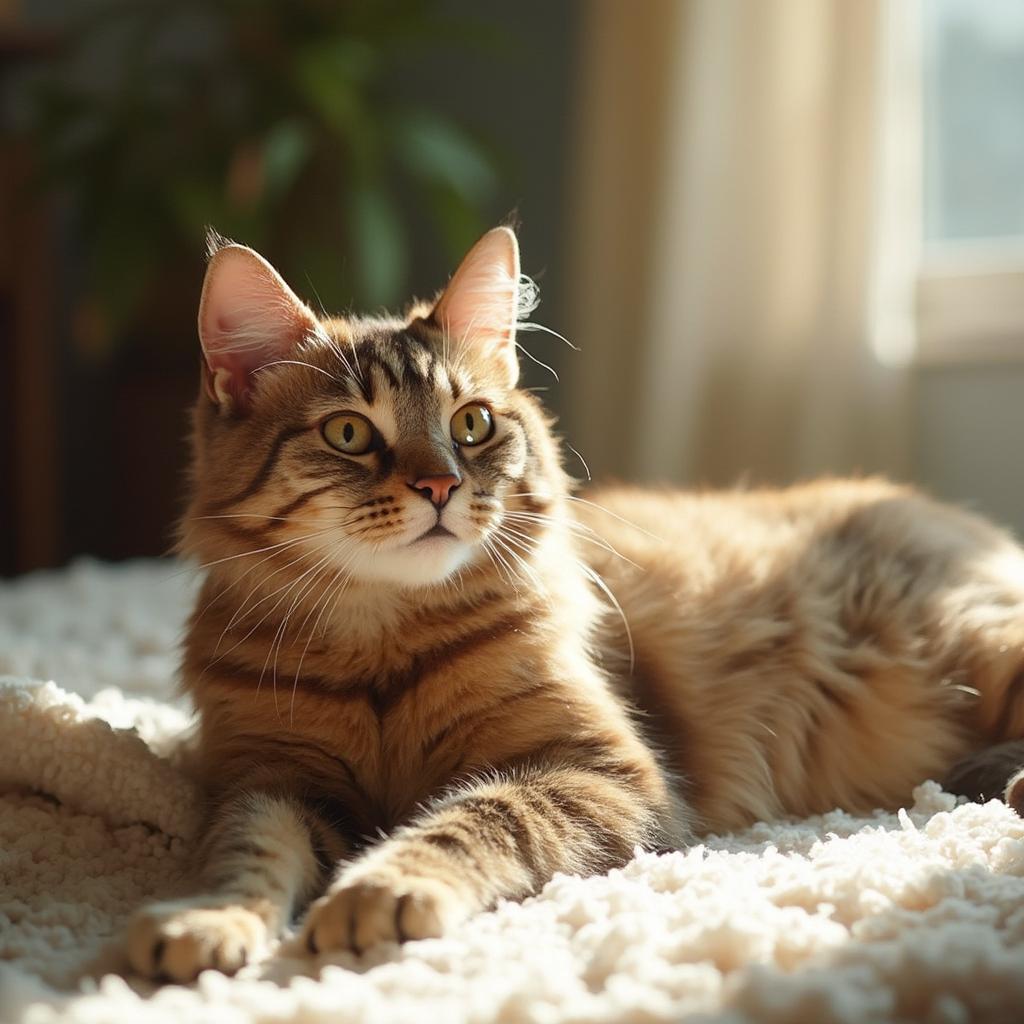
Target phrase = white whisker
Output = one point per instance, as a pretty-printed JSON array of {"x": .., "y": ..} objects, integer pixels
[
  {"x": 606, "y": 590},
  {"x": 297, "y": 362},
  {"x": 529, "y": 355},
  {"x": 530, "y": 325},
  {"x": 586, "y": 468},
  {"x": 591, "y": 504}
]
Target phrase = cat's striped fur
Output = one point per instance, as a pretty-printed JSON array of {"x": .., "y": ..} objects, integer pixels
[{"x": 406, "y": 734}]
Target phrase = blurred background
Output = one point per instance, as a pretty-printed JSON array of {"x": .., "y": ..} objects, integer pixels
[{"x": 787, "y": 236}]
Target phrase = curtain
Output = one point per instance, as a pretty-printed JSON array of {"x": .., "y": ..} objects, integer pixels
[{"x": 741, "y": 283}]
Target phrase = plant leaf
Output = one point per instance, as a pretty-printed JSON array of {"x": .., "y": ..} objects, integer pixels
[
  {"x": 286, "y": 148},
  {"x": 379, "y": 244},
  {"x": 434, "y": 148}
]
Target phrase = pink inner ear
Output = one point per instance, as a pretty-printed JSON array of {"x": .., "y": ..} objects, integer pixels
[
  {"x": 479, "y": 307},
  {"x": 248, "y": 317},
  {"x": 233, "y": 364},
  {"x": 226, "y": 324}
]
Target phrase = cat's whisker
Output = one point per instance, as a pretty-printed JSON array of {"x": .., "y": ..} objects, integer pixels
[
  {"x": 586, "y": 468},
  {"x": 299, "y": 362},
  {"x": 215, "y": 658},
  {"x": 338, "y": 596},
  {"x": 249, "y": 515},
  {"x": 228, "y": 558},
  {"x": 582, "y": 530},
  {"x": 287, "y": 589},
  {"x": 319, "y": 302},
  {"x": 505, "y": 542},
  {"x": 336, "y": 349},
  {"x": 532, "y": 325},
  {"x": 275, "y": 644},
  {"x": 529, "y": 355},
  {"x": 355, "y": 357},
  {"x": 529, "y": 546},
  {"x": 242, "y": 610},
  {"x": 342, "y": 573},
  {"x": 278, "y": 549},
  {"x": 320, "y": 602},
  {"x": 282, "y": 519},
  {"x": 322, "y": 574},
  {"x": 462, "y": 353},
  {"x": 238, "y": 579},
  {"x": 504, "y": 529},
  {"x": 591, "y": 504},
  {"x": 599, "y": 582},
  {"x": 336, "y": 585},
  {"x": 500, "y": 564},
  {"x": 525, "y": 574}
]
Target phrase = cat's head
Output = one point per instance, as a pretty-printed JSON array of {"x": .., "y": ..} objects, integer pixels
[{"x": 397, "y": 450}]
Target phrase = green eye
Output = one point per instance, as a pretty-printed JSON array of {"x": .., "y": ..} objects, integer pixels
[
  {"x": 472, "y": 424},
  {"x": 349, "y": 433}
]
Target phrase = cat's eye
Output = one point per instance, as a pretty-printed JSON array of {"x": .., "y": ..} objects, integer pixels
[
  {"x": 472, "y": 424},
  {"x": 349, "y": 432}
]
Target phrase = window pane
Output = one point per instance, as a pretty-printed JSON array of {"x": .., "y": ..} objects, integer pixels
[{"x": 973, "y": 119}]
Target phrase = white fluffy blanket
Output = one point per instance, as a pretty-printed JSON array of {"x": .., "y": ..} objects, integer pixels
[{"x": 915, "y": 916}]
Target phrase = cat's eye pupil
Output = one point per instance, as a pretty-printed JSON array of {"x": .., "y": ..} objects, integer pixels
[
  {"x": 472, "y": 425},
  {"x": 349, "y": 433}
]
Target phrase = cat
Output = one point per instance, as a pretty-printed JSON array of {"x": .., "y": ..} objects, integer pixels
[{"x": 429, "y": 675}]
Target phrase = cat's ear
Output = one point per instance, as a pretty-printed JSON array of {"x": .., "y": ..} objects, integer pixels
[
  {"x": 248, "y": 317},
  {"x": 479, "y": 308}
]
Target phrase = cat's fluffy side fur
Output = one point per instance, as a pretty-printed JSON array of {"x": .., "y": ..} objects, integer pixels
[{"x": 405, "y": 727}]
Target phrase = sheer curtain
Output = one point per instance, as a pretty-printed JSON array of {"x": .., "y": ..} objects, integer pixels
[{"x": 741, "y": 291}]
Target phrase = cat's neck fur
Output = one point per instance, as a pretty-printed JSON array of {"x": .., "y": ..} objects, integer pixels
[{"x": 379, "y": 625}]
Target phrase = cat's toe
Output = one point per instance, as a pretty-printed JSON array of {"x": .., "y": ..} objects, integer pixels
[
  {"x": 359, "y": 915},
  {"x": 179, "y": 940}
]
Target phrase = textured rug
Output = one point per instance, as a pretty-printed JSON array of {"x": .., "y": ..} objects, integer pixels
[{"x": 911, "y": 916}]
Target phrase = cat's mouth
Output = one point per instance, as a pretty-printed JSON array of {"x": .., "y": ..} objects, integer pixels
[{"x": 437, "y": 530}]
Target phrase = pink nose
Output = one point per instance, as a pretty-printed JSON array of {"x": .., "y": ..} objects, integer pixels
[{"x": 437, "y": 488}]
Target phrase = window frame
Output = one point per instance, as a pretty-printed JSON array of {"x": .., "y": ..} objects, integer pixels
[{"x": 968, "y": 294}]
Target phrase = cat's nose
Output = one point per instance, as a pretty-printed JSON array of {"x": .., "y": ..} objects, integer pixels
[{"x": 437, "y": 489}]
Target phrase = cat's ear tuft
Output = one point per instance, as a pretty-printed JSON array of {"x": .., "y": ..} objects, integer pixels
[
  {"x": 248, "y": 317},
  {"x": 479, "y": 309}
]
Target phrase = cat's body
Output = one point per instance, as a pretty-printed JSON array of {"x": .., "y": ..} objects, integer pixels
[
  {"x": 828, "y": 645},
  {"x": 409, "y": 627}
]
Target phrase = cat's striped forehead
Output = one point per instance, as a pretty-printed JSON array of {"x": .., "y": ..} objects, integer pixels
[
  {"x": 383, "y": 360},
  {"x": 404, "y": 368}
]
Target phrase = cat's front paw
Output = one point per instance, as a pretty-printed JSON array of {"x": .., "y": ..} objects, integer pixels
[
  {"x": 358, "y": 914},
  {"x": 178, "y": 939}
]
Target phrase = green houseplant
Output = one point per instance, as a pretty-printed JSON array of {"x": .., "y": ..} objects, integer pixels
[{"x": 293, "y": 126}]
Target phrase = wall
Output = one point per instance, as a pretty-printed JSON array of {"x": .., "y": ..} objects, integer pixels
[{"x": 968, "y": 433}]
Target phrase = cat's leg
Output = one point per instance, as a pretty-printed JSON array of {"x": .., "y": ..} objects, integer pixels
[
  {"x": 500, "y": 838},
  {"x": 263, "y": 855},
  {"x": 993, "y": 773}
]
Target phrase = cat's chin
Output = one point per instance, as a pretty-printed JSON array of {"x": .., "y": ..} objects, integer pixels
[{"x": 427, "y": 561}]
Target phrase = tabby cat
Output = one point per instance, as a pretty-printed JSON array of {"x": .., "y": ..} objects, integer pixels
[{"x": 429, "y": 676}]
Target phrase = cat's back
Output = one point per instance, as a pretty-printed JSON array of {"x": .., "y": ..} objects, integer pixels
[
  {"x": 714, "y": 539},
  {"x": 804, "y": 648}
]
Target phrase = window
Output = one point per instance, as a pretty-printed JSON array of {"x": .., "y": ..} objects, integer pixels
[{"x": 970, "y": 300}]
